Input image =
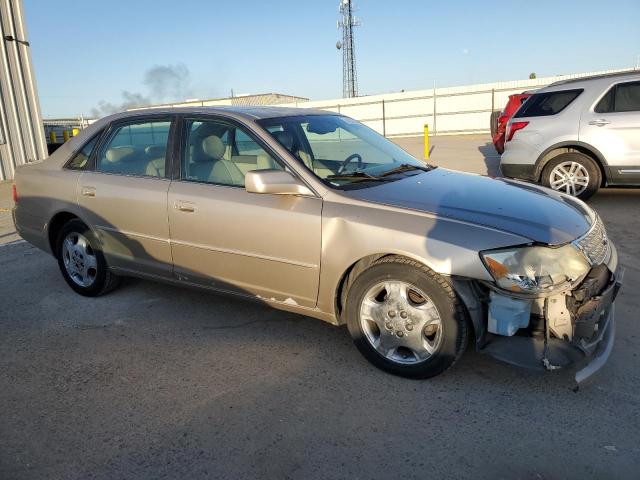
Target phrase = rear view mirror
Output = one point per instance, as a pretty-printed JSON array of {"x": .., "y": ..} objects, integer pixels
[
  {"x": 321, "y": 127},
  {"x": 275, "y": 182}
]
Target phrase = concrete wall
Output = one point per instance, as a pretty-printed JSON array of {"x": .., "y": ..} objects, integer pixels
[
  {"x": 447, "y": 110},
  {"x": 21, "y": 132}
]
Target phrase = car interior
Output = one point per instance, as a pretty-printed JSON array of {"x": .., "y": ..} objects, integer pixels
[
  {"x": 220, "y": 153},
  {"x": 138, "y": 149}
]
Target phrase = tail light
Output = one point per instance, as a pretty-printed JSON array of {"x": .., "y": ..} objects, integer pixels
[
  {"x": 513, "y": 128},
  {"x": 14, "y": 193}
]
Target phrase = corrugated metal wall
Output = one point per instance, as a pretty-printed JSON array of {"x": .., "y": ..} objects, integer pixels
[{"x": 21, "y": 133}]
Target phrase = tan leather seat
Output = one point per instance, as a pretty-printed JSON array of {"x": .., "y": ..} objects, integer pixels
[
  {"x": 210, "y": 166},
  {"x": 118, "y": 154},
  {"x": 287, "y": 141},
  {"x": 156, "y": 164},
  {"x": 122, "y": 160},
  {"x": 247, "y": 163}
]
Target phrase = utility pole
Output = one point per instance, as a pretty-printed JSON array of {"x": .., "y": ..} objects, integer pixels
[{"x": 349, "y": 75}]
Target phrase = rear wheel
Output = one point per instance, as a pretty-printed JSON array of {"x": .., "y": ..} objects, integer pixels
[
  {"x": 406, "y": 319},
  {"x": 81, "y": 261},
  {"x": 573, "y": 173}
]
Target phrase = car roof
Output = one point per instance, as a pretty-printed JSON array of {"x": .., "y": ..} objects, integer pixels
[
  {"x": 246, "y": 112},
  {"x": 584, "y": 81}
]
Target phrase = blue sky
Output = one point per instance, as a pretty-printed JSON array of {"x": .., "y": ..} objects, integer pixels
[{"x": 88, "y": 52}]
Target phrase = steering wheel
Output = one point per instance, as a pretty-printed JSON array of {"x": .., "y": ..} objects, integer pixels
[{"x": 348, "y": 160}]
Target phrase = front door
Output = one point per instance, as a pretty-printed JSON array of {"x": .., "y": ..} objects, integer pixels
[
  {"x": 125, "y": 197},
  {"x": 613, "y": 127},
  {"x": 225, "y": 238}
]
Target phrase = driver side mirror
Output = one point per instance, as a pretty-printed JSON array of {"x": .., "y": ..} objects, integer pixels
[{"x": 275, "y": 182}]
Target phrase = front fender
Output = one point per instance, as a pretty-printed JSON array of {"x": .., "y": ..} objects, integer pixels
[{"x": 448, "y": 247}]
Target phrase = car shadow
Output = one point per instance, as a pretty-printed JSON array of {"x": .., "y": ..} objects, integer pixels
[{"x": 491, "y": 159}]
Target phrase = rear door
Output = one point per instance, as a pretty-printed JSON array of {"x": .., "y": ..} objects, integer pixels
[
  {"x": 124, "y": 197},
  {"x": 613, "y": 127},
  {"x": 226, "y": 238}
]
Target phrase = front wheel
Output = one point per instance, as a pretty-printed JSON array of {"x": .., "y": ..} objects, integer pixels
[
  {"x": 573, "y": 173},
  {"x": 406, "y": 319}
]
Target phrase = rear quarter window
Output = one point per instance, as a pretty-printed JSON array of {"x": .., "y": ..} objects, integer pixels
[
  {"x": 80, "y": 160},
  {"x": 547, "y": 103},
  {"x": 623, "y": 97}
]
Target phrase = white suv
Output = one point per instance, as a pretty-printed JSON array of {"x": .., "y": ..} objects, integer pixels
[{"x": 578, "y": 135}]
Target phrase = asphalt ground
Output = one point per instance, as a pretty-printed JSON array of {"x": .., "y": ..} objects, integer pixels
[{"x": 154, "y": 381}]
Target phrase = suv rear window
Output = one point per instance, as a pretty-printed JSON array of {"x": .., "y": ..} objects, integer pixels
[
  {"x": 547, "y": 103},
  {"x": 624, "y": 97}
]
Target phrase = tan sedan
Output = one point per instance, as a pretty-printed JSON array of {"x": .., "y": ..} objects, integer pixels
[{"x": 314, "y": 213}]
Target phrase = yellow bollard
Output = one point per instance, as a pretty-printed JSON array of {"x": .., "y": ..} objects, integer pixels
[
  {"x": 52, "y": 137},
  {"x": 65, "y": 135},
  {"x": 426, "y": 141},
  {"x": 75, "y": 132}
]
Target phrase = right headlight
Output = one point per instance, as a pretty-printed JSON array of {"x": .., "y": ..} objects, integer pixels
[{"x": 537, "y": 269}]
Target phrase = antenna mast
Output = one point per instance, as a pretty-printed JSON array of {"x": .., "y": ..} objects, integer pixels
[{"x": 349, "y": 76}]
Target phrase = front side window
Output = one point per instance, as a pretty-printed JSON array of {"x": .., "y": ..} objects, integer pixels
[
  {"x": 341, "y": 151},
  {"x": 624, "y": 97},
  {"x": 137, "y": 148},
  {"x": 81, "y": 159},
  {"x": 221, "y": 153},
  {"x": 547, "y": 103}
]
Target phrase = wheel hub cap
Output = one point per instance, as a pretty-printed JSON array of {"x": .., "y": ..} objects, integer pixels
[
  {"x": 79, "y": 259},
  {"x": 401, "y": 322}
]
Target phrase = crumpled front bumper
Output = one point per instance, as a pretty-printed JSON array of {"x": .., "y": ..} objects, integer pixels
[
  {"x": 589, "y": 352},
  {"x": 599, "y": 350}
]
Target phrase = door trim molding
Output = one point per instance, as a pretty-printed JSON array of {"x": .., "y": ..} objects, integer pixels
[
  {"x": 133, "y": 234},
  {"x": 242, "y": 253}
]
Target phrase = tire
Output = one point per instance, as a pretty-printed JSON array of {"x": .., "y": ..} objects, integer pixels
[
  {"x": 446, "y": 338},
  {"x": 581, "y": 165},
  {"x": 77, "y": 248}
]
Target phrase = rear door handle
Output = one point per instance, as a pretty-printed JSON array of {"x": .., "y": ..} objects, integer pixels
[
  {"x": 184, "y": 206},
  {"x": 600, "y": 122},
  {"x": 88, "y": 191}
]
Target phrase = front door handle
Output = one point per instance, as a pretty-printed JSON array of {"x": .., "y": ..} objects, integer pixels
[
  {"x": 88, "y": 191},
  {"x": 600, "y": 122},
  {"x": 185, "y": 206}
]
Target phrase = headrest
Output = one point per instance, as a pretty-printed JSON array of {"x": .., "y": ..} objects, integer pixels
[
  {"x": 155, "y": 151},
  {"x": 213, "y": 147},
  {"x": 285, "y": 139},
  {"x": 117, "y": 154}
]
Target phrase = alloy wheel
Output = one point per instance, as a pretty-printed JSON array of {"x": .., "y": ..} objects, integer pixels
[
  {"x": 569, "y": 177},
  {"x": 401, "y": 322},
  {"x": 79, "y": 259}
]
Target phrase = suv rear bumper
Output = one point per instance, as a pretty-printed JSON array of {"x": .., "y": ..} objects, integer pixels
[{"x": 519, "y": 171}]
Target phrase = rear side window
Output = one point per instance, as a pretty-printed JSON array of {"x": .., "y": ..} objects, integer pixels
[
  {"x": 547, "y": 103},
  {"x": 624, "y": 97},
  {"x": 81, "y": 159},
  {"x": 137, "y": 148}
]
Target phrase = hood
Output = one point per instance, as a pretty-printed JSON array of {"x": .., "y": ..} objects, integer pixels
[{"x": 533, "y": 212}]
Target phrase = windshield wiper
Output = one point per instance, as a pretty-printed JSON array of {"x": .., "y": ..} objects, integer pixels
[
  {"x": 357, "y": 175},
  {"x": 405, "y": 167}
]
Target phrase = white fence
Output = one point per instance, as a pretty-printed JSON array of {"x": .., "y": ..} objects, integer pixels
[{"x": 447, "y": 111}]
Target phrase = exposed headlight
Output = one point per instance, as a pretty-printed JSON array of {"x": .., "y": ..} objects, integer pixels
[{"x": 535, "y": 270}]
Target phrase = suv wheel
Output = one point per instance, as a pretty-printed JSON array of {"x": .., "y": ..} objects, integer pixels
[
  {"x": 81, "y": 262},
  {"x": 406, "y": 319},
  {"x": 572, "y": 173}
]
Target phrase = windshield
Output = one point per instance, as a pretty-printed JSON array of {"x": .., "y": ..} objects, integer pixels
[{"x": 342, "y": 151}]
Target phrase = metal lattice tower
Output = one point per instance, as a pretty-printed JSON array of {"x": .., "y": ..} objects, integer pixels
[{"x": 349, "y": 76}]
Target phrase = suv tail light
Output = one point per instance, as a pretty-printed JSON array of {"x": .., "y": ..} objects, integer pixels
[
  {"x": 14, "y": 193},
  {"x": 514, "y": 127}
]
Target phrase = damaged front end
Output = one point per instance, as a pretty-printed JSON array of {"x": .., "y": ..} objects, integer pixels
[{"x": 549, "y": 307}]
